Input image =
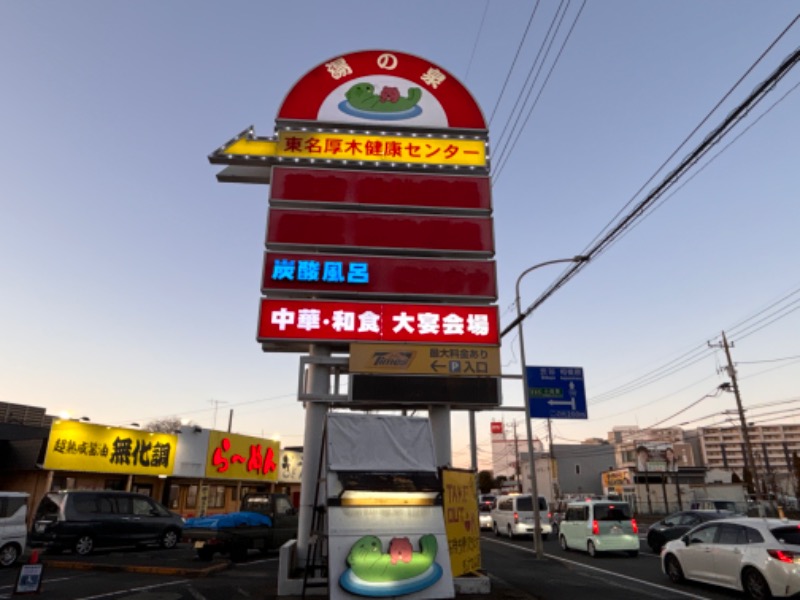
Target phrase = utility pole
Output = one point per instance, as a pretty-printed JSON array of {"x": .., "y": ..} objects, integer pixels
[
  {"x": 748, "y": 448},
  {"x": 553, "y": 465},
  {"x": 516, "y": 458}
]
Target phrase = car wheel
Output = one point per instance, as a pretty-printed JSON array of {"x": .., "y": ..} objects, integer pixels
[
  {"x": 84, "y": 544},
  {"x": 496, "y": 530},
  {"x": 9, "y": 555},
  {"x": 655, "y": 548},
  {"x": 673, "y": 569},
  {"x": 544, "y": 536},
  {"x": 755, "y": 586},
  {"x": 632, "y": 553},
  {"x": 591, "y": 549},
  {"x": 168, "y": 539},
  {"x": 510, "y": 532},
  {"x": 563, "y": 542}
]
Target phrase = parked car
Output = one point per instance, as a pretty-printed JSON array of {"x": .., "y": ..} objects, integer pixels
[
  {"x": 513, "y": 516},
  {"x": 84, "y": 520},
  {"x": 751, "y": 554},
  {"x": 676, "y": 524},
  {"x": 599, "y": 526},
  {"x": 13, "y": 527},
  {"x": 485, "y": 505}
]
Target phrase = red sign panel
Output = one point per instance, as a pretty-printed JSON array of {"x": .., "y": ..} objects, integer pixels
[
  {"x": 413, "y": 234},
  {"x": 338, "y": 275},
  {"x": 497, "y": 427},
  {"x": 364, "y": 188},
  {"x": 318, "y": 321}
]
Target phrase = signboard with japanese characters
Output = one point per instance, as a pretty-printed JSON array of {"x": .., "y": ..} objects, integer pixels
[
  {"x": 76, "y": 446},
  {"x": 233, "y": 456},
  {"x": 313, "y": 320},
  {"x": 337, "y": 275},
  {"x": 380, "y": 190},
  {"x": 460, "y": 506},
  {"x": 422, "y": 359},
  {"x": 556, "y": 392}
]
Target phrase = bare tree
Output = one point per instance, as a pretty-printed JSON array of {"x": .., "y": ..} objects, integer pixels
[{"x": 165, "y": 425}]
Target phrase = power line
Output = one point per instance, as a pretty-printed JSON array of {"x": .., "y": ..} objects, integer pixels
[{"x": 671, "y": 179}]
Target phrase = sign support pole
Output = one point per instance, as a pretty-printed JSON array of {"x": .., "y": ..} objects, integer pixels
[{"x": 312, "y": 449}]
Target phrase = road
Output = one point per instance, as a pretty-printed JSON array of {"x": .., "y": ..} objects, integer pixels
[
  {"x": 577, "y": 576},
  {"x": 516, "y": 574}
]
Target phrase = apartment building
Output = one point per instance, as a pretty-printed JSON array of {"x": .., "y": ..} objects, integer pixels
[{"x": 773, "y": 449}]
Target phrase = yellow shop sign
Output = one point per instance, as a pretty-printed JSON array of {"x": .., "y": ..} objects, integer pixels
[{"x": 233, "y": 456}]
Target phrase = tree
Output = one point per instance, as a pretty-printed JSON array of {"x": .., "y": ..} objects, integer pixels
[
  {"x": 485, "y": 481},
  {"x": 166, "y": 425}
]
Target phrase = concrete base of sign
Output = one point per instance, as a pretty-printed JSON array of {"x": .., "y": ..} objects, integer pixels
[
  {"x": 473, "y": 583},
  {"x": 293, "y": 586}
]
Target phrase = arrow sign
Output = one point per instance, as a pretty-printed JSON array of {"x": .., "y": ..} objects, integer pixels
[{"x": 556, "y": 392}]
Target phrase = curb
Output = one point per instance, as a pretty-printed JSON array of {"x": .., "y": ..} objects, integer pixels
[{"x": 181, "y": 571}]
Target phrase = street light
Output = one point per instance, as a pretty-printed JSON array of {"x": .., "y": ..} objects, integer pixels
[{"x": 537, "y": 520}]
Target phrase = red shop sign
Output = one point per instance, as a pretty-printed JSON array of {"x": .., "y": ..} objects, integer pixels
[{"x": 317, "y": 321}]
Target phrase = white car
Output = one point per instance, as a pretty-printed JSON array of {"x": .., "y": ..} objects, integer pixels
[{"x": 758, "y": 556}]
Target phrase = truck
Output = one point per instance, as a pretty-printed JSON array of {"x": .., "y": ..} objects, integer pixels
[{"x": 265, "y": 521}]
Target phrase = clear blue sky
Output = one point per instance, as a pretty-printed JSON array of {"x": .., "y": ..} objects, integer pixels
[{"x": 130, "y": 277}]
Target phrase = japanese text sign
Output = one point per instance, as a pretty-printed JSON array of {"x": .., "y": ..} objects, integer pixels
[
  {"x": 233, "y": 456},
  {"x": 461, "y": 521},
  {"x": 380, "y": 148},
  {"x": 75, "y": 446},
  {"x": 314, "y": 320}
]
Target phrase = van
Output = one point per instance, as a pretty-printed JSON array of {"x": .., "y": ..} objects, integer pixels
[
  {"x": 513, "y": 516},
  {"x": 599, "y": 526},
  {"x": 81, "y": 520},
  {"x": 13, "y": 527}
]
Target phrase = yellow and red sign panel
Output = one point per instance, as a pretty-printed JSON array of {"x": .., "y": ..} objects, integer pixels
[
  {"x": 233, "y": 456},
  {"x": 76, "y": 446}
]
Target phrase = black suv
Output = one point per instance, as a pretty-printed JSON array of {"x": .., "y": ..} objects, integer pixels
[{"x": 83, "y": 520}]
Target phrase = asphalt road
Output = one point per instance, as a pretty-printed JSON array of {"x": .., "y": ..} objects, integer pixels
[
  {"x": 515, "y": 572},
  {"x": 577, "y": 576}
]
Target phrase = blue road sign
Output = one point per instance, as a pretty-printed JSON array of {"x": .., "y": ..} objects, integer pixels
[{"x": 556, "y": 392}]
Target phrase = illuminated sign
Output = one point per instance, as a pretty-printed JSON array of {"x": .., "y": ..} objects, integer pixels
[
  {"x": 340, "y": 274},
  {"x": 352, "y": 148},
  {"x": 417, "y": 359},
  {"x": 371, "y": 189},
  {"x": 314, "y": 320},
  {"x": 233, "y": 456},
  {"x": 460, "y": 507},
  {"x": 75, "y": 446},
  {"x": 372, "y": 231},
  {"x": 379, "y": 86}
]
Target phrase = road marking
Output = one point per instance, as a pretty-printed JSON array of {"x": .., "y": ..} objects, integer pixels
[
  {"x": 136, "y": 589},
  {"x": 599, "y": 570}
]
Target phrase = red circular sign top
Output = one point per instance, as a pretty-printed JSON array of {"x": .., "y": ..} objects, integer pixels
[{"x": 381, "y": 87}]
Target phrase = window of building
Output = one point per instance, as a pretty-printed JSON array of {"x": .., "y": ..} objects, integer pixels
[
  {"x": 191, "y": 497},
  {"x": 216, "y": 496},
  {"x": 174, "y": 496},
  {"x": 577, "y": 469}
]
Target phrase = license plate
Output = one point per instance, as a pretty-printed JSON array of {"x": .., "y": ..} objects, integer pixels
[
  {"x": 40, "y": 527},
  {"x": 199, "y": 544},
  {"x": 616, "y": 530}
]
